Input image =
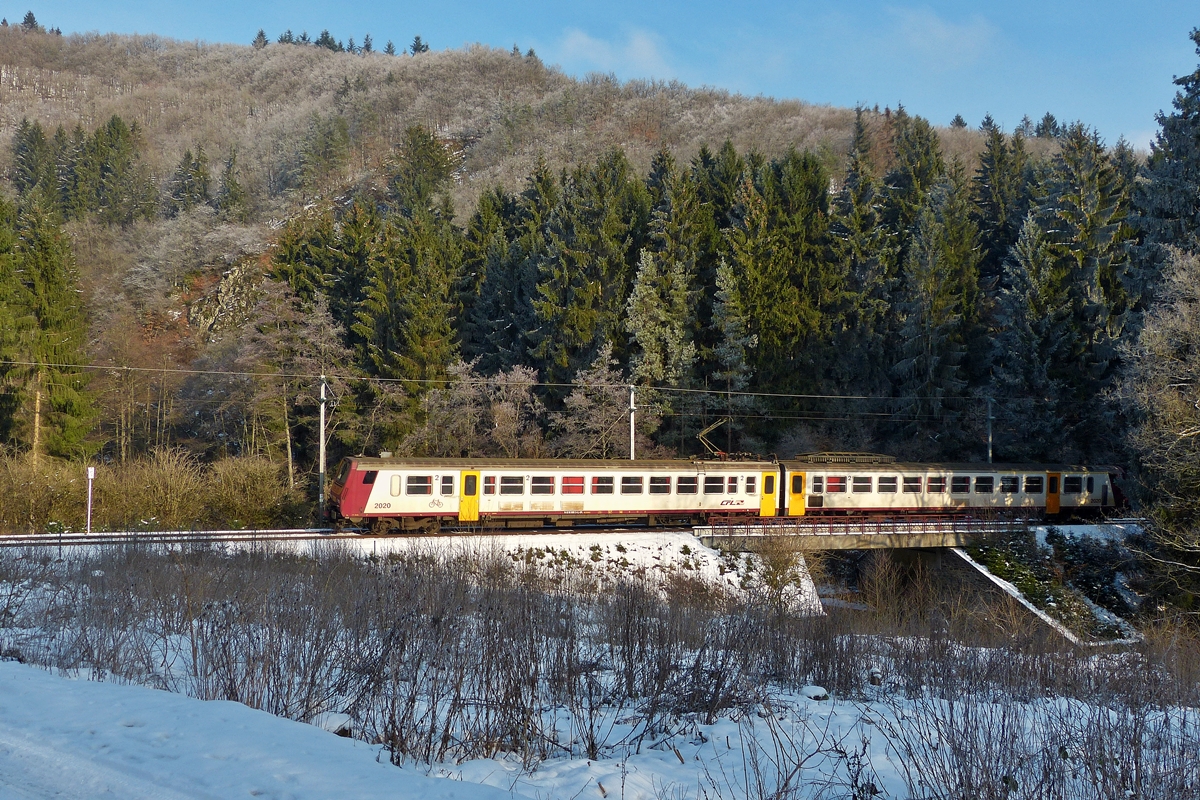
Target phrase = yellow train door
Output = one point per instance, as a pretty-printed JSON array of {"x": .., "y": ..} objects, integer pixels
[
  {"x": 768, "y": 505},
  {"x": 1052, "y": 498},
  {"x": 796, "y": 489},
  {"x": 468, "y": 501}
]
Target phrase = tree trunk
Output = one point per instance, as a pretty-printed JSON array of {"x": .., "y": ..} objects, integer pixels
[
  {"x": 37, "y": 418},
  {"x": 287, "y": 433}
]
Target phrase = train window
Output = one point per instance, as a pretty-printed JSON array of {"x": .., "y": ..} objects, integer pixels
[
  {"x": 369, "y": 477},
  {"x": 512, "y": 484},
  {"x": 912, "y": 484},
  {"x": 960, "y": 484},
  {"x": 936, "y": 484},
  {"x": 798, "y": 484},
  {"x": 418, "y": 484},
  {"x": 470, "y": 485},
  {"x": 395, "y": 486},
  {"x": 769, "y": 484},
  {"x": 572, "y": 484},
  {"x": 714, "y": 484},
  {"x": 541, "y": 484},
  {"x": 1053, "y": 485},
  {"x": 1091, "y": 484},
  {"x": 660, "y": 484},
  {"x": 887, "y": 484},
  {"x": 345, "y": 472},
  {"x": 686, "y": 485},
  {"x": 489, "y": 484},
  {"x": 602, "y": 484},
  {"x": 817, "y": 483},
  {"x": 985, "y": 485},
  {"x": 631, "y": 484},
  {"x": 1010, "y": 484},
  {"x": 1033, "y": 484},
  {"x": 1073, "y": 484},
  {"x": 733, "y": 482},
  {"x": 861, "y": 484},
  {"x": 751, "y": 485},
  {"x": 447, "y": 485},
  {"x": 835, "y": 483}
]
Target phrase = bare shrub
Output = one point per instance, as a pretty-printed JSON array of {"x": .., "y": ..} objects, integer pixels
[
  {"x": 163, "y": 492},
  {"x": 250, "y": 492},
  {"x": 35, "y": 499}
]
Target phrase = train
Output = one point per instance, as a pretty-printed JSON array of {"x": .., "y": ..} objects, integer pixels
[{"x": 427, "y": 494}]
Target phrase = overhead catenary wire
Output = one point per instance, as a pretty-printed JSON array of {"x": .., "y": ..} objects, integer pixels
[{"x": 624, "y": 386}]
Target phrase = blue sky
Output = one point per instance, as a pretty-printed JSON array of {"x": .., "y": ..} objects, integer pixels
[{"x": 1109, "y": 64}]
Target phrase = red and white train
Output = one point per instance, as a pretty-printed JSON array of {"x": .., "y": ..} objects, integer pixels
[{"x": 427, "y": 493}]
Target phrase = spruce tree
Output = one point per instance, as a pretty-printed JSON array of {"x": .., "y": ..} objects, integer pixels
[
  {"x": 866, "y": 250},
  {"x": 260, "y": 40},
  {"x": 593, "y": 235},
  {"x": 1168, "y": 200},
  {"x": 231, "y": 198},
  {"x": 1029, "y": 333},
  {"x": 390, "y": 48},
  {"x": 417, "y": 47},
  {"x": 1002, "y": 198},
  {"x": 56, "y": 409}
]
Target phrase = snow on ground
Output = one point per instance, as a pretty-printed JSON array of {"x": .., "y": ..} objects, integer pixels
[
  {"x": 74, "y": 738},
  {"x": 658, "y": 556},
  {"x": 64, "y": 738},
  {"x": 1116, "y": 532}
]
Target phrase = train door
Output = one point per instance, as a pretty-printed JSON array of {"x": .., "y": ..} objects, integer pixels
[
  {"x": 796, "y": 490},
  {"x": 468, "y": 501},
  {"x": 1052, "y": 499},
  {"x": 768, "y": 505}
]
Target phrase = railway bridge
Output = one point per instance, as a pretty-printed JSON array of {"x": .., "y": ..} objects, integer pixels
[{"x": 851, "y": 533}]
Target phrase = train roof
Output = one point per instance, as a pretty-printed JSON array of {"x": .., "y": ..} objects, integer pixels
[
  {"x": 593, "y": 464},
  {"x": 945, "y": 466}
]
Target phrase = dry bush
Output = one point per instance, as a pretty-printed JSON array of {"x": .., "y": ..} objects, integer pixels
[
  {"x": 162, "y": 492},
  {"x": 250, "y": 492},
  {"x": 32, "y": 500}
]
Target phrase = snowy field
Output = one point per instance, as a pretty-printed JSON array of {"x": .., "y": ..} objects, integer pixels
[{"x": 543, "y": 666}]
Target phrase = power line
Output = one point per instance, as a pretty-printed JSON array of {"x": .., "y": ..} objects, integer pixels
[{"x": 720, "y": 393}]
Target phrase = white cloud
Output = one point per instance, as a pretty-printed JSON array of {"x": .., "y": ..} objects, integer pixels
[
  {"x": 940, "y": 43},
  {"x": 640, "y": 55}
]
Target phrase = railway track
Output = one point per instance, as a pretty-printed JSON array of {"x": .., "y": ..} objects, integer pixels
[{"x": 823, "y": 528}]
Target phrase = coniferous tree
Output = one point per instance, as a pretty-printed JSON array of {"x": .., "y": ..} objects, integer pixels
[
  {"x": 1002, "y": 198},
  {"x": 1083, "y": 212},
  {"x": 189, "y": 185},
  {"x": 918, "y": 166},
  {"x": 421, "y": 168},
  {"x": 417, "y": 47},
  {"x": 389, "y": 49},
  {"x": 231, "y": 198},
  {"x": 56, "y": 409},
  {"x": 593, "y": 234},
  {"x": 1168, "y": 200},
  {"x": 867, "y": 251},
  {"x": 660, "y": 316},
  {"x": 367, "y": 45},
  {"x": 503, "y": 314},
  {"x": 939, "y": 305},
  {"x": 1028, "y": 423},
  {"x": 260, "y": 40}
]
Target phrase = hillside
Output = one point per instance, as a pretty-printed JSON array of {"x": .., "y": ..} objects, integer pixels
[{"x": 501, "y": 110}]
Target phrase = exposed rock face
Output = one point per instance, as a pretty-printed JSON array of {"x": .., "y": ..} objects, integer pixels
[{"x": 227, "y": 306}]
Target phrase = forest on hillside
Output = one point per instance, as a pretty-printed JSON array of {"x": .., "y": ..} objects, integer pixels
[{"x": 471, "y": 284}]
